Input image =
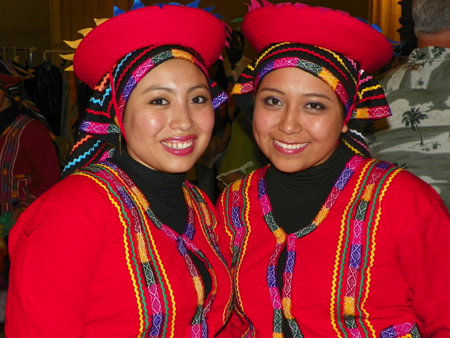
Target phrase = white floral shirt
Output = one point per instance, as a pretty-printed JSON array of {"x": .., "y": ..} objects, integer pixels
[{"x": 417, "y": 135}]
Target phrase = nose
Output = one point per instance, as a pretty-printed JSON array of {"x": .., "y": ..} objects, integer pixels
[
  {"x": 290, "y": 122},
  {"x": 181, "y": 118}
]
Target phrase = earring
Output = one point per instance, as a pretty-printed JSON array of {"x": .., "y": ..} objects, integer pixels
[{"x": 120, "y": 143}]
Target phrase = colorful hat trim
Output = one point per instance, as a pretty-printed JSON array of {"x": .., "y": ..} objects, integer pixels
[
  {"x": 361, "y": 96},
  {"x": 334, "y": 30},
  {"x": 157, "y": 25}
]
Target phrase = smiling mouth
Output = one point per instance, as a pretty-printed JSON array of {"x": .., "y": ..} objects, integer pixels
[
  {"x": 290, "y": 146},
  {"x": 178, "y": 145}
]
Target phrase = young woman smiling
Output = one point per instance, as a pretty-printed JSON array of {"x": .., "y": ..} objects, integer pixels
[
  {"x": 123, "y": 245},
  {"x": 326, "y": 241}
]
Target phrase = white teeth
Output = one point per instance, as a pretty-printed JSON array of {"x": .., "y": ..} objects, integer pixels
[
  {"x": 178, "y": 145},
  {"x": 290, "y": 146}
]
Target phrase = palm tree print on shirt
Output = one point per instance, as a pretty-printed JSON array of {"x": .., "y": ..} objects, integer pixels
[{"x": 412, "y": 118}]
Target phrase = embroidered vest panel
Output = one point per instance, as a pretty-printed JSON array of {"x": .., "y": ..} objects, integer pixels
[
  {"x": 153, "y": 291},
  {"x": 355, "y": 250}
]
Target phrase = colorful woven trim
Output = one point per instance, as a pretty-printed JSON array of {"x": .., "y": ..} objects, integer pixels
[
  {"x": 405, "y": 330},
  {"x": 154, "y": 295},
  {"x": 10, "y": 191},
  {"x": 354, "y": 257},
  {"x": 240, "y": 231},
  {"x": 361, "y": 96},
  {"x": 99, "y": 132},
  {"x": 281, "y": 237}
]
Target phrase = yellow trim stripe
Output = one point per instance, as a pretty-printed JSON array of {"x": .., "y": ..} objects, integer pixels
[
  {"x": 339, "y": 248},
  {"x": 127, "y": 249},
  {"x": 249, "y": 230},
  {"x": 372, "y": 256}
]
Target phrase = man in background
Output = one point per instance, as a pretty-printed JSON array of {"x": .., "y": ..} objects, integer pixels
[{"x": 417, "y": 135}]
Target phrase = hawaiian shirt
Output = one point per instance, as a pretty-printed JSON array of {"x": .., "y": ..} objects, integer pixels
[{"x": 417, "y": 135}]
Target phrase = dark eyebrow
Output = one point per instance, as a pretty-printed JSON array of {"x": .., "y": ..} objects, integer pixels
[
  {"x": 171, "y": 90},
  {"x": 274, "y": 90},
  {"x": 198, "y": 87}
]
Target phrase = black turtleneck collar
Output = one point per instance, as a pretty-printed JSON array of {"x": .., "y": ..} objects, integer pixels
[
  {"x": 296, "y": 198},
  {"x": 162, "y": 190},
  {"x": 164, "y": 193}
]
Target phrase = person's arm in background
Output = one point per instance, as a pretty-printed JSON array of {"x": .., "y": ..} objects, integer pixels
[{"x": 42, "y": 159}]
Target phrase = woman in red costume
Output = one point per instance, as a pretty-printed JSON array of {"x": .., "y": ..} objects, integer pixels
[
  {"x": 327, "y": 241},
  {"x": 123, "y": 246}
]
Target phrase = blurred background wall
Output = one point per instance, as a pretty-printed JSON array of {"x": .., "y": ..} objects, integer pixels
[{"x": 44, "y": 24}]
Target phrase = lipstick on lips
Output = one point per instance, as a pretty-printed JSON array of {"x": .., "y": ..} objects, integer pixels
[
  {"x": 289, "y": 148},
  {"x": 180, "y": 145}
]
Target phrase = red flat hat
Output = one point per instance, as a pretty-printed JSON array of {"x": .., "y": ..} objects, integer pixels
[
  {"x": 317, "y": 26},
  {"x": 152, "y": 25}
]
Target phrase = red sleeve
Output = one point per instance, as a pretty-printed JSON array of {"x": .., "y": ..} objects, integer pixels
[
  {"x": 54, "y": 249},
  {"x": 43, "y": 160},
  {"x": 423, "y": 249}
]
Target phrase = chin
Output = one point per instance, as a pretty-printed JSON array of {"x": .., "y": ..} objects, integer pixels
[
  {"x": 289, "y": 168},
  {"x": 178, "y": 168}
]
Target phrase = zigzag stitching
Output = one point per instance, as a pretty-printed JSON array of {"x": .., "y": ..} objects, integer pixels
[
  {"x": 339, "y": 249},
  {"x": 102, "y": 113},
  {"x": 368, "y": 89},
  {"x": 247, "y": 76},
  {"x": 87, "y": 137},
  {"x": 100, "y": 102},
  {"x": 309, "y": 52},
  {"x": 120, "y": 213},
  {"x": 93, "y": 157},
  {"x": 122, "y": 62},
  {"x": 262, "y": 56},
  {"x": 82, "y": 157},
  {"x": 366, "y": 79},
  {"x": 375, "y": 97},
  {"x": 339, "y": 59},
  {"x": 352, "y": 148},
  {"x": 133, "y": 62},
  {"x": 101, "y": 86},
  {"x": 391, "y": 174}
]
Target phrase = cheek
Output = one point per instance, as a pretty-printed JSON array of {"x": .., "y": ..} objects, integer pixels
[
  {"x": 205, "y": 121},
  {"x": 327, "y": 129},
  {"x": 142, "y": 124}
]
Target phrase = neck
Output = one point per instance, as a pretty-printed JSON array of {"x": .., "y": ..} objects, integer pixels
[{"x": 441, "y": 39}]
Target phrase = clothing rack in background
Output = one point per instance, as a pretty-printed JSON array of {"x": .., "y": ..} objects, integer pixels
[
  {"x": 27, "y": 50},
  {"x": 52, "y": 51}
]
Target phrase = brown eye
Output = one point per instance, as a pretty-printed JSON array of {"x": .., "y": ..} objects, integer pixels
[
  {"x": 159, "y": 102},
  {"x": 315, "y": 106},
  {"x": 199, "y": 100},
  {"x": 272, "y": 101}
]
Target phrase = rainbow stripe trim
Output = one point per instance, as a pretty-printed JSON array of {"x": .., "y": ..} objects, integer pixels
[
  {"x": 281, "y": 236},
  {"x": 154, "y": 295}
]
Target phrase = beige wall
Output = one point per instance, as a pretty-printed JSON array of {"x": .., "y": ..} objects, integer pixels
[{"x": 44, "y": 24}]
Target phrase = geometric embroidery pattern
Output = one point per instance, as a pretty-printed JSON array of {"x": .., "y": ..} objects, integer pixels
[
  {"x": 152, "y": 289},
  {"x": 281, "y": 237}
]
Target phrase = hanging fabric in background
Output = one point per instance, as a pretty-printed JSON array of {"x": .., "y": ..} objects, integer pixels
[
  {"x": 69, "y": 108},
  {"x": 45, "y": 90}
]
